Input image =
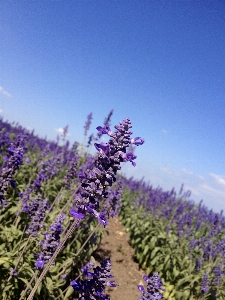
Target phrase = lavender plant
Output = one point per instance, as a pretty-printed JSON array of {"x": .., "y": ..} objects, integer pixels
[
  {"x": 11, "y": 164},
  {"x": 82, "y": 193}
]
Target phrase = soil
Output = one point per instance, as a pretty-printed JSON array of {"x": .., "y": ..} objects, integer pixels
[{"x": 126, "y": 272}]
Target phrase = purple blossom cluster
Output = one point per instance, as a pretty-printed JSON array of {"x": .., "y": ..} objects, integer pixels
[
  {"x": 87, "y": 268},
  {"x": 37, "y": 210},
  {"x": 25, "y": 197},
  {"x": 154, "y": 288},
  {"x": 90, "y": 139},
  {"x": 51, "y": 242},
  {"x": 65, "y": 132},
  {"x": 71, "y": 171},
  {"x": 106, "y": 123},
  {"x": 113, "y": 202},
  {"x": 87, "y": 124},
  {"x": 11, "y": 164},
  {"x": 48, "y": 169},
  {"x": 94, "y": 181},
  {"x": 94, "y": 287},
  {"x": 219, "y": 273},
  {"x": 205, "y": 283}
]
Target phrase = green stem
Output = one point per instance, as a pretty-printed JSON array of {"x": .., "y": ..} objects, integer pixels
[
  {"x": 87, "y": 239},
  {"x": 29, "y": 285},
  {"x": 24, "y": 248}
]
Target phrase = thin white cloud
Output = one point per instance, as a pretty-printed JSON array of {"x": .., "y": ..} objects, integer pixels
[
  {"x": 1, "y": 111},
  {"x": 207, "y": 188},
  {"x": 4, "y": 92},
  {"x": 61, "y": 130},
  {"x": 166, "y": 169},
  {"x": 186, "y": 171},
  {"x": 164, "y": 131},
  {"x": 219, "y": 179},
  {"x": 200, "y": 177}
]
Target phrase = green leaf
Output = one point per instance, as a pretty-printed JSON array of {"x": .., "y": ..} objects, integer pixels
[
  {"x": 152, "y": 243},
  {"x": 69, "y": 292},
  {"x": 175, "y": 272},
  {"x": 4, "y": 260},
  {"x": 153, "y": 262},
  {"x": 8, "y": 287},
  {"x": 153, "y": 254},
  {"x": 146, "y": 249}
]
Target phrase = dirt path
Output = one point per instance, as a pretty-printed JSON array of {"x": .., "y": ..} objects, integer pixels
[{"x": 126, "y": 272}]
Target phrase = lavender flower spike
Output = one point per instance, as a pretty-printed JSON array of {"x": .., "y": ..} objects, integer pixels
[
  {"x": 95, "y": 181},
  {"x": 205, "y": 283},
  {"x": 105, "y": 129},
  {"x": 87, "y": 124},
  {"x": 12, "y": 162},
  {"x": 37, "y": 217},
  {"x": 50, "y": 243},
  {"x": 87, "y": 268},
  {"x": 94, "y": 288},
  {"x": 154, "y": 288}
]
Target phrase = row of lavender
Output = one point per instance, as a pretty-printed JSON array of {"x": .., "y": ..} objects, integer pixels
[
  {"x": 182, "y": 241},
  {"x": 54, "y": 202}
]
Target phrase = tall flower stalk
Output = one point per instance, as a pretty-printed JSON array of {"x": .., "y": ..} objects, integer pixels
[{"x": 12, "y": 161}]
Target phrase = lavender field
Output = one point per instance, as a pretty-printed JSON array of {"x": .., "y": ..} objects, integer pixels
[{"x": 56, "y": 200}]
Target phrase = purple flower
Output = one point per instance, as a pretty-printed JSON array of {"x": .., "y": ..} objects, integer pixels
[
  {"x": 26, "y": 197},
  {"x": 65, "y": 131},
  {"x": 154, "y": 288},
  {"x": 90, "y": 140},
  {"x": 76, "y": 214},
  {"x": 13, "y": 272},
  {"x": 101, "y": 216},
  {"x": 87, "y": 124},
  {"x": 50, "y": 242},
  {"x": 37, "y": 218},
  {"x": 94, "y": 288},
  {"x": 48, "y": 169},
  {"x": 193, "y": 243},
  {"x": 11, "y": 163},
  {"x": 103, "y": 148},
  {"x": 198, "y": 263},
  {"x": 39, "y": 263},
  {"x": 130, "y": 157},
  {"x": 113, "y": 202},
  {"x": 205, "y": 283},
  {"x": 137, "y": 141},
  {"x": 63, "y": 276},
  {"x": 86, "y": 269},
  {"x": 218, "y": 275},
  {"x": 71, "y": 172},
  {"x": 105, "y": 129},
  {"x": 32, "y": 207}
]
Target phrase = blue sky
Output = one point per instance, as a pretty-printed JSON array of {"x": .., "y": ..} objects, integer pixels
[{"x": 160, "y": 63}]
